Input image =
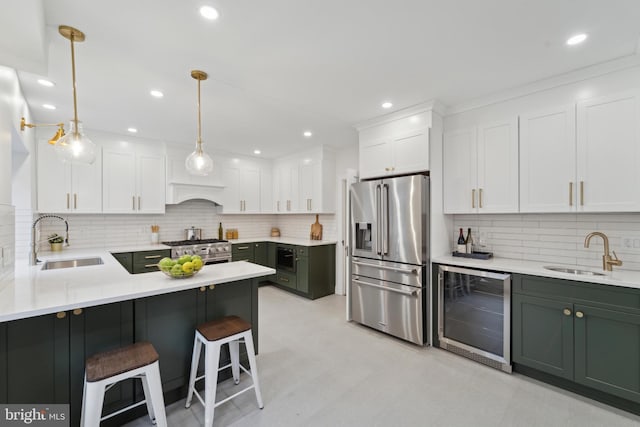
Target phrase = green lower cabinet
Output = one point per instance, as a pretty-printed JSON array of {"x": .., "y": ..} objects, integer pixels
[
  {"x": 242, "y": 252},
  {"x": 260, "y": 253},
  {"x": 169, "y": 322},
  {"x": 36, "y": 353},
  {"x": 302, "y": 274},
  {"x": 585, "y": 333},
  {"x": 286, "y": 279},
  {"x": 542, "y": 335},
  {"x": 315, "y": 271},
  {"x": 3, "y": 363},
  {"x": 607, "y": 351}
]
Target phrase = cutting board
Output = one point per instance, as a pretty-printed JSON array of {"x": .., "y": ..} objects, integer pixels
[{"x": 316, "y": 230}]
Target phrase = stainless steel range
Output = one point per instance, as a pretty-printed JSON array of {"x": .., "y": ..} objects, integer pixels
[{"x": 212, "y": 251}]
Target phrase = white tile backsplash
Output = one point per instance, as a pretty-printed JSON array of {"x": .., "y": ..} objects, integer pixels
[
  {"x": 112, "y": 230},
  {"x": 7, "y": 242},
  {"x": 555, "y": 238}
]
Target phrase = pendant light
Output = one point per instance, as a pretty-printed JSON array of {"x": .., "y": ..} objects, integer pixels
[
  {"x": 75, "y": 147},
  {"x": 199, "y": 162}
]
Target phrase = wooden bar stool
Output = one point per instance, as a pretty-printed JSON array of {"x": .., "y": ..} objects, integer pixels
[
  {"x": 104, "y": 370},
  {"x": 230, "y": 330}
]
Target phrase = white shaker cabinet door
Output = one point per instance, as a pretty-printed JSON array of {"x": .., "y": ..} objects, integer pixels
[
  {"x": 54, "y": 181},
  {"x": 411, "y": 152},
  {"x": 498, "y": 167},
  {"x": 547, "y": 160},
  {"x": 86, "y": 186},
  {"x": 150, "y": 183},
  {"x": 376, "y": 158},
  {"x": 250, "y": 190},
  {"x": 608, "y": 153},
  {"x": 118, "y": 182},
  {"x": 459, "y": 169}
]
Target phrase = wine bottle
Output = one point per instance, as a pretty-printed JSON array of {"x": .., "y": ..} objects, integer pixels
[
  {"x": 468, "y": 242},
  {"x": 220, "y": 232},
  {"x": 462, "y": 248}
]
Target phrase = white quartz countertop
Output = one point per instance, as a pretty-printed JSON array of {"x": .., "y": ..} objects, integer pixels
[
  {"x": 617, "y": 277},
  {"x": 287, "y": 240},
  {"x": 33, "y": 291}
]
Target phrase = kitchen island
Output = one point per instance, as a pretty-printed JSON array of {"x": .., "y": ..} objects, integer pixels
[{"x": 52, "y": 320}]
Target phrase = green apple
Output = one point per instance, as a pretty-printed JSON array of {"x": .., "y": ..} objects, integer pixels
[
  {"x": 184, "y": 258},
  {"x": 176, "y": 271}
]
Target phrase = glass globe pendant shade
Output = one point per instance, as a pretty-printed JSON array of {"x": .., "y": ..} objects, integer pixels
[
  {"x": 75, "y": 147},
  {"x": 199, "y": 162}
]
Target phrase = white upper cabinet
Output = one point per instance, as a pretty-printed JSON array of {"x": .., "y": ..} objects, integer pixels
[
  {"x": 548, "y": 160},
  {"x": 63, "y": 187},
  {"x": 481, "y": 168},
  {"x": 608, "y": 153},
  {"x": 305, "y": 182},
  {"x": 247, "y": 183},
  {"x": 397, "y": 147},
  {"x": 498, "y": 167},
  {"x": 133, "y": 181},
  {"x": 460, "y": 171}
]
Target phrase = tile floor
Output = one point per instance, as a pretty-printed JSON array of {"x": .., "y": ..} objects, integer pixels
[{"x": 318, "y": 370}]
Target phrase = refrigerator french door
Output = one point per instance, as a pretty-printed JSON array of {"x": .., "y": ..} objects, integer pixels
[{"x": 389, "y": 255}]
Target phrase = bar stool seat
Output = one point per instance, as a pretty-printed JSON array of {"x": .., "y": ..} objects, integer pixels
[
  {"x": 104, "y": 370},
  {"x": 231, "y": 330}
]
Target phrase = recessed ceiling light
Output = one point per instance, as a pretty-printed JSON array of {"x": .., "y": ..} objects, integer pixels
[
  {"x": 257, "y": 151},
  {"x": 132, "y": 130},
  {"x": 307, "y": 133},
  {"x": 577, "y": 39},
  {"x": 387, "y": 105},
  {"x": 209, "y": 12},
  {"x": 49, "y": 106},
  {"x": 45, "y": 82},
  {"x": 156, "y": 93}
]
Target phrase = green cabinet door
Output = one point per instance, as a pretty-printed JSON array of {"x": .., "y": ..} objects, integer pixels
[
  {"x": 542, "y": 335},
  {"x": 3, "y": 363},
  {"x": 169, "y": 322},
  {"x": 260, "y": 253},
  {"x": 94, "y": 330},
  {"x": 242, "y": 252},
  {"x": 37, "y": 359},
  {"x": 607, "y": 351},
  {"x": 302, "y": 274}
]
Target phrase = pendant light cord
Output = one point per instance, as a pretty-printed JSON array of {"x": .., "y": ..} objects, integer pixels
[
  {"x": 199, "y": 121},
  {"x": 73, "y": 74}
]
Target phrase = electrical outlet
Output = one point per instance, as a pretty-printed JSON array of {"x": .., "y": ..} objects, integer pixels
[{"x": 627, "y": 242}]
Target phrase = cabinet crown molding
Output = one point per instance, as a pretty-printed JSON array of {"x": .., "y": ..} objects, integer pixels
[{"x": 433, "y": 106}]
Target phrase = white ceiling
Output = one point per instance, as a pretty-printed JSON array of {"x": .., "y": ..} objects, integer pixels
[{"x": 279, "y": 67}]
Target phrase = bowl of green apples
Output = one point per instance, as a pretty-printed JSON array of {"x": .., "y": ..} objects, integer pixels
[{"x": 181, "y": 268}]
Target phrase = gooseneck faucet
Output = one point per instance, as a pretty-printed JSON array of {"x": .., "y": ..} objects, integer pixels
[
  {"x": 33, "y": 259},
  {"x": 607, "y": 261}
]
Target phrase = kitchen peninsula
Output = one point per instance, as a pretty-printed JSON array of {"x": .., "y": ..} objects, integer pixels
[{"x": 52, "y": 320}]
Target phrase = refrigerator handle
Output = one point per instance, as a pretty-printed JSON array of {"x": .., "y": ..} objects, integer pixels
[
  {"x": 385, "y": 219},
  {"x": 378, "y": 219}
]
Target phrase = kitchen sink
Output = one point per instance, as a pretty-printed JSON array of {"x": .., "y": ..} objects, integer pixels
[
  {"x": 575, "y": 271},
  {"x": 68, "y": 263}
]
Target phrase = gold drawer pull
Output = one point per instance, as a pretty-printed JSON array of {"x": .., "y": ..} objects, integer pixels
[
  {"x": 150, "y": 265},
  {"x": 77, "y": 312},
  {"x": 284, "y": 279},
  {"x": 566, "y": 312},
  {"x": 241, "y": 248},
  {"x": 212, "y": 286},
  {"x": 61, "y": 315},
  {"x": 153, "y": 256},
  {"x": 571, "y": 194},
  {"x": 579, "y": 314},
  {"x": 581, "y": 193},
  {"x": 202, "y": 289},
  {"x": 473, "y": 198}
]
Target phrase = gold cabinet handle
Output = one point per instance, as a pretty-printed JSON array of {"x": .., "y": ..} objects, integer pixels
[
  {"x": 480, "y": 198},
  {"x": 571, "y": 194},
  {"x": 61, "y": 315},
  {"x": 150, "y": 265},
  {"x": 152, "y": 256},
  {"x": 241, "y": 248},
  {"x": 284, "y": 279},
  {"x": 581, "y": 193},
  {"x": 75, "y": 200},
  {"x": 473, "y": 198},
  {"x": 67, "y": 200},
  {"x": 278, "y": 205},
  {"x": 566, "y": 312},
  {"x": 202, "y": 289},
  {"x": 77, "y": 312},
  {"x": 579, "y": 314},
  {"x": 212, "y": 286},
  {"x": 133, "y": 203},
  {"x": 139, "y": 204},
  {"x": 387, "y": 169}
]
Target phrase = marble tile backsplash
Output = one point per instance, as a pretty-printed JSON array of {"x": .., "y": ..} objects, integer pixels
[
  {"x": 101, "y": 230},
  {"x": 555, "y": 238}
]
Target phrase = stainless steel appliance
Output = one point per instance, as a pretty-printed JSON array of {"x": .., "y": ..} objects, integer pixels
[
  {"x": 285, "y": 259},
  {"x": 474, "y": 314},
  {"x": 212, "y": 251},
  {"x": 193, "y": 233},
  {"x": 390, "y": 234}
]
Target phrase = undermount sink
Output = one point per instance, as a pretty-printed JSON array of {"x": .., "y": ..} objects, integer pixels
[
  {"x": 68, "y": 263},
  {"x": 575, "y": 271}
]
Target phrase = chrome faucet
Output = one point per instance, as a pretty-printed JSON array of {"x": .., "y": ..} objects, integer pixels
[
  {"x": 33, "y": 259},
  {"x": 607, "y": 261}
]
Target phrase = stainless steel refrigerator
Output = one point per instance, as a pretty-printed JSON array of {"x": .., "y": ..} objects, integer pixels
[{"x": 390, "y": 253}]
